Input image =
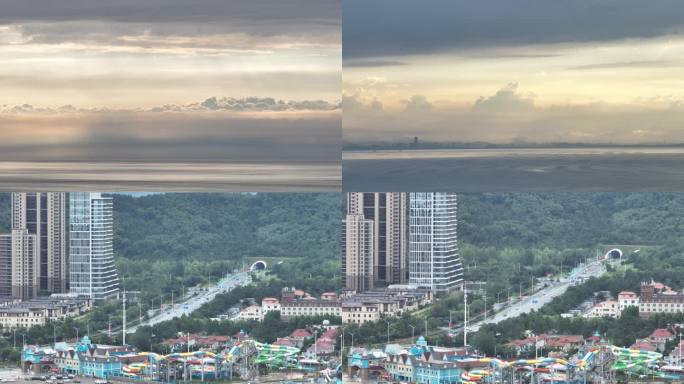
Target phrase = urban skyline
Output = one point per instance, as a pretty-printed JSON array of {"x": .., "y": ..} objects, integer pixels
[
  {"x": 35, "y": 257},
  {"x": 397, "y": 238}
]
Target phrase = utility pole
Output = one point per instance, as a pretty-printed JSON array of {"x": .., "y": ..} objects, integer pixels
[
  {"x": 426, "y": 329},
  {"x": 109, "y": 327},
  {"x": 485, "y": 306},
  {"x": 124, "y": 318},
  {"x": 388, "y": 327},
  {"x": 413, "y": 335},
  {"x": 465, "y": 315}
]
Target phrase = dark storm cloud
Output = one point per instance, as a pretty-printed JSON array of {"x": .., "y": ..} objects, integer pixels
[
  {"x": 261, "y": 13},
  {"x": 382, "y": 28},
  {"x": 106, "y": 21}
]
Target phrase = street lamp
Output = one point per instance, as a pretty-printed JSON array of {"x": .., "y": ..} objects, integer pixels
[
  {"x": 496, "y": 338},
  {"x": 352, "y": 345},
  {"x": 450, "y": 318},
  {"x": 680, "y": 349},
  {"x": 388, "y": 329},
  {"x": 413, "y": 338}
]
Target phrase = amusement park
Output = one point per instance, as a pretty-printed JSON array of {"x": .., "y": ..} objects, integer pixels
[
  {"x": 244, "y": 360},
  {"x": 595, "y": 361}
]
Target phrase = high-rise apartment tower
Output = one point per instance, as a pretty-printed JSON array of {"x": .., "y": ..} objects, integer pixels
[
  {"x": 434, "y": 261},
  {"x": 42, "y": 214},
  {"x": 91, "y": 255}
]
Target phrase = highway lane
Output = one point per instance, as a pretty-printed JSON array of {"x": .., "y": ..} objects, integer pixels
[
  {"x": 195, "y": 302},
  {"x": 539, "y": 298}
]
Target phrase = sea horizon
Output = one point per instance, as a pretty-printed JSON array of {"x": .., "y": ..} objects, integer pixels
[{"x": 132, "y": 176}]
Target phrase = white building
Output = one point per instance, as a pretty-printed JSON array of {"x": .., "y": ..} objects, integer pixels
[
  {"x": 376, "y": 304},
  {"x": 91, "y": 254},
  {"x": 627, "y": 299},
  {"x": 434, "y": 262},
  {"x": 29, "y": 313},
  {"x": 358, "y": 250},
  {"x": 310, "y": 307},
  {"x": 269, "y": 304},
  {"x": 607, "y": 308},
  {"x": 253, "y": 312}
]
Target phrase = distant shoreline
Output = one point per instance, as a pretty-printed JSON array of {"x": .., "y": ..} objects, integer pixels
[
  {"x": 390, "y": 154},
  {"x": 351, "y": 147}
]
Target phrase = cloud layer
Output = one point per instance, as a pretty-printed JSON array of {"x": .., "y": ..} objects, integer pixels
[
  {"x": 511, "y": 116},
  {"x": 386, "y": 28},
  {"x": 211, "y": 104}
]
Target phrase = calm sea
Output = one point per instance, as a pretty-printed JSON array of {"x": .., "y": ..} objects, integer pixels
[{"x": 495, "y": 170}]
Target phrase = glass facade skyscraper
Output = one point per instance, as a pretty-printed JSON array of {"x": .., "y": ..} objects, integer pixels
[
  {"x": 91, "y": 254},
  {"x": 434, "y": 261},
  {"x": 42, "y": 214}
]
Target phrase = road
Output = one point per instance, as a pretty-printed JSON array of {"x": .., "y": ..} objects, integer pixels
[
  {"x": 193, "y": 303},
  {"x": 539, "y": 298}
]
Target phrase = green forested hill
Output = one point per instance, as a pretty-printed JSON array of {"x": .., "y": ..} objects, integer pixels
[
  {"x": 570, "y": 219},
  {"x": 300, "y": 224},
  {"x": 178, "y": 226},
  {"x": 228, "y": 225}
]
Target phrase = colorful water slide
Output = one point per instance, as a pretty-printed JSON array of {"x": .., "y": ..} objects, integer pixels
[
  {"x": 269, "y": 354},
  {"x": 635, "y": 360},
  {"x": 540, "y": 365}
]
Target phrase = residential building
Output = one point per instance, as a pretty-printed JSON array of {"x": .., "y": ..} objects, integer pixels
[
  {"x": 25, "y": 261},
  {"x": 358, "y": 261},
  {"x": 91, "y": 254},
  {"x": 387, "y": 211},
  {"x": 195, "y": 340},
  {"x": 375, "y": 304},
  {"x": 43, "y": 215},
  {"x": 660, "y": 336},
  {"x": 434, "y": 261},
  {"x": 659, "y": 298},
  {"x": 564, "y": 343},
  {"x": 40, "y": 311},
  {"x": 5, "y": 265},
  {"x": 628, "y": 299},
  {"x": 310, "y": 307},
  {"x": 606, "y": 308},
  {"x": 299, "y": 335},
  {"x": 269, "y": 304},
  {"x": 253, "y": 312},
  {"x": 324, "y": 344},
  {"x": 18, "y": 258}
]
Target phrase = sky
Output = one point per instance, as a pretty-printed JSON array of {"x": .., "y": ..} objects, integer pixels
[
  {"x": 159, "y": 80},
  {"x": 530, "y": 71}
]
